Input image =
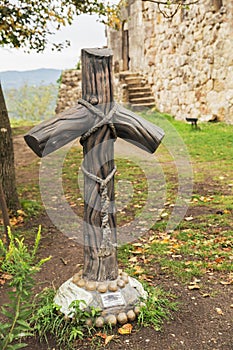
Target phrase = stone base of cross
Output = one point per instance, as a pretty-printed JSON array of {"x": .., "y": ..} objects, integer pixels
[
  {"x": 119, "y": 300},
  {"x": 99, "y": 121}
]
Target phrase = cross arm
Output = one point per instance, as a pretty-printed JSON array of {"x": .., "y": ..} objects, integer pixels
[
  {"x": 56, "y": 132},
  {"x": 51, "y": 135},
  {"x": 137, "y": 130}
]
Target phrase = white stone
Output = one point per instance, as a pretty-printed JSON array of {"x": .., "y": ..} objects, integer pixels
[
  {"x": 69, "y": 292},
  {"x": 138, "y": 286}
]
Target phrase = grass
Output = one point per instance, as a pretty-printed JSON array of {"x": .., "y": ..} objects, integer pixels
[{"x": 202, "y": 240}]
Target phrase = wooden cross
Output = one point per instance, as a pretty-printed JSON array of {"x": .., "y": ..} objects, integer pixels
[{"x": 98, "y": 120}]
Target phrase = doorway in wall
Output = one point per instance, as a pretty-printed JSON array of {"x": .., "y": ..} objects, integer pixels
[{"x": 125, "y": 46}]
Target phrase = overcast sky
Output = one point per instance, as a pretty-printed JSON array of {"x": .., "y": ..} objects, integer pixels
[{"x": 85, "y": 31}]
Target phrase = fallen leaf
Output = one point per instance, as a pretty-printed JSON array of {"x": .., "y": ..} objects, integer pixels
[
  {"x": 134, "y": 259},
  {"x": 126, "y": 329},
  {"x": 219, "y": 311},
  {"x": 137, "y": 244},
  {"x": 193, "y": 287},
  {"x": 225, "y": 283},
  {"x": 206, "y": 295},
  {"x": 138, "y": 251},
  {"x": 21, "y": 212},
  {"x": 189, "y": 218},
  {"x": 108, "y": 339},
  {"x": 138, "y": 270},
  {"x": 101, "y": 335},
  {"x": 6, "y": 276}
]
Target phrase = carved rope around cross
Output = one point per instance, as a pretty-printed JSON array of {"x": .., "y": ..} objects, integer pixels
[{"x": 106, "y": 246}]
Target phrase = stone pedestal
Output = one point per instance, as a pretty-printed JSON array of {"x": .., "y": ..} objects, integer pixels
[{"x": 118, "y": 299}]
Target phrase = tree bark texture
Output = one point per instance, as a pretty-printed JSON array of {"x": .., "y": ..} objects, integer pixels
[
  {"x": 5, "y": 214},
  {"x": 52, "y": 134},
  {"x": 7, "y": 168},
  {"x": 100, "y": 252}
]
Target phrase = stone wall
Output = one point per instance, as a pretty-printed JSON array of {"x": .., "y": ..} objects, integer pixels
[
  {"x": 70, "y": 89},
  {"x": 188, "y": 59}
]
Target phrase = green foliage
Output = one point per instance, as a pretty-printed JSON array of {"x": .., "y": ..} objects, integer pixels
[
  {"x": 31, "y": 103},
  {"x": 156, "y": 308},
  {"x": 28, "y": 23},
  {"x": 21, "y": 264},
  {"x": 48, "y": 320},
  {"x": 78, "y": 66},
  {"x": 31, "y": 207}
]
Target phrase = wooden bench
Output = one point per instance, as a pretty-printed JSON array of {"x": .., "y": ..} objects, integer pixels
[{"x": 193, "y": 121}]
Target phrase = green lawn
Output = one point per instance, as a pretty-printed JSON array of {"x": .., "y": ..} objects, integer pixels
[{"x": 200, "y": 160}]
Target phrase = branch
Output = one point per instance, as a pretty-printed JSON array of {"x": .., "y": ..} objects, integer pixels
[
  {"x": 178, "y": 3},
  {"x": 175, "y": 2}
]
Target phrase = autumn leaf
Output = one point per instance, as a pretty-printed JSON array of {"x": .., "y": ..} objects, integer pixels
[
  {"x": 138, "y": 251},
  {"x": 108, "y": 339},
  {"x": 101, "y": 335},
  {"x": 219, "y": 311},
  {"x": 133, "y": 260},
  {"x": 137, "y": 244},
  {"x": 138, "y": 270},
  {"x": 193, "y": 287},
  {"x": 126, "y": 329}
]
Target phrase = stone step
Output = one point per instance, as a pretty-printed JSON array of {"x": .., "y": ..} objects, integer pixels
[
  {"x": 124, "y": 74},
  {"x": 140, "y": 89},
  {"x": 142, "y": 106},
  {"x": 138, "y": 93},
  {"x": 138, "y": 85},
  {"x": 142, "y": 100},
  {"x": 135, "y": 82}
]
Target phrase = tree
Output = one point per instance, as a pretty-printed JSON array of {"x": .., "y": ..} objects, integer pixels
[
  {"x": 7, "y": 170},
  {"x": 27, "y": 24}
]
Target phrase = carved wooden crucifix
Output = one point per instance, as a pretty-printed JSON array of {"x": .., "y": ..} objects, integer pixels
[{"x": 98, "y": 120}]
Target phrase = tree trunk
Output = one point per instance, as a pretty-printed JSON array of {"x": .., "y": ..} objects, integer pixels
[
  {"x": 100, "y": 252},
  {"x": 7, "y": 169},
  {"x": 5, "y": 215}
]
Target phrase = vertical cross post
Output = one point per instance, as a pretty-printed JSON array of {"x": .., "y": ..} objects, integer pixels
[
  {"x": 100, "y": 253},
  {"x": 98, "y": 120}
]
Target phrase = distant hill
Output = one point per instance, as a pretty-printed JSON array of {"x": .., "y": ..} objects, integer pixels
[{"x": 15, "y": 79}]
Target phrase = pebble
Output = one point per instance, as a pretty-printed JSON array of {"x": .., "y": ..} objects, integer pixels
[
  {"x": 99, "y": 322},
  {"x": 125, "y": 278},
  {"x": 121, "y": 283},
  {"x": 81, "y": 283},
  {"x": 76, "y": 278},
  {"x": 137, "y": 310},
  {"x": 91, "y": 285},
  {"x": 111, "y": 319},
  {"x": 122, "y": 318},
  {"x": 112, "y": 287},
  {"x": 131, "y": 315},
  {"x": 102, "y": 288},
  {"x": 89, "y": 322}
]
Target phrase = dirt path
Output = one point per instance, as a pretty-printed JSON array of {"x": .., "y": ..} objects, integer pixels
[{"x": 204, "y": 318}]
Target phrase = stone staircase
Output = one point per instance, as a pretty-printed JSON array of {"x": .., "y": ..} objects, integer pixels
[{"x": 139, "y": 93}]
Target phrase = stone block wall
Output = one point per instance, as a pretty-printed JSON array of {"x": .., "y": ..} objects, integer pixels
[
  {"x": 187, "y": 59},
  {"x": 70, "y": 89}
]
